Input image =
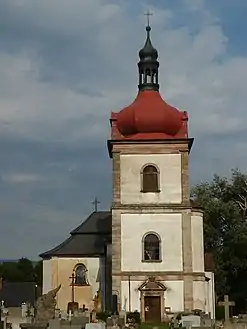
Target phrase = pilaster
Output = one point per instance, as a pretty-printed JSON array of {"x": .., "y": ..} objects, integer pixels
[
  {"x": 185, "y": 177},
  {"x": 116, "y": 229},
  {"x": 116, "y": 253},
  {"x": 116, "y": 179},
  {"x": 187, "y": 261}
]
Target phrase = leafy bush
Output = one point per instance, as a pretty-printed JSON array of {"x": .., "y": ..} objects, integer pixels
[
  {"x": 219, "y": 313},
  {"x": 102, "y": 316},
  {"x": 134, "y": 317}
]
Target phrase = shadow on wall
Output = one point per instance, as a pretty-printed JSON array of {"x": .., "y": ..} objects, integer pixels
[{"x": 103, "y": 241}]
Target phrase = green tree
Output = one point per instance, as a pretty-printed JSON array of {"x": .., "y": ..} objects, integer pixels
[
  {"x": 225, "y": 232},
  {"x": 10, "y": 272},
  {"x": 24, "y": 270},
  {"x": 38, "y": 270}
]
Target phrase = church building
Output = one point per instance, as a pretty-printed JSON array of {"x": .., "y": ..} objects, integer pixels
[{"x": 147, "y": 252}]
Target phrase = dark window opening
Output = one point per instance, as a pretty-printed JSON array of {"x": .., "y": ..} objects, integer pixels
[
  {"x": 81, "y": 275},
  {"x": 151, "y": 247},
  {"x": 150, "y": 179}
]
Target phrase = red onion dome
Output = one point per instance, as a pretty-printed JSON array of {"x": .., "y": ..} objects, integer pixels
[{"x": 149, "y": 113}]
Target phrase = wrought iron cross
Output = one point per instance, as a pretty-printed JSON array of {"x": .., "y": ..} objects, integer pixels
[
  {"x": 95, "y": 202},
  {"x": 72, "y": 277},
  {"x": 148, "y": 14}
]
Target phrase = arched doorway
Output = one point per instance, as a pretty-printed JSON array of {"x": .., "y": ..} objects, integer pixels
[{"x": 152, "y": 300}]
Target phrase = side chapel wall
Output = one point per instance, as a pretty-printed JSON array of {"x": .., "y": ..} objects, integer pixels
[{"x": 62, "y": 269}]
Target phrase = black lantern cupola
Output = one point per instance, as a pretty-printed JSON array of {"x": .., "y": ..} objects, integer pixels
[{"x": 148, "y": 65}]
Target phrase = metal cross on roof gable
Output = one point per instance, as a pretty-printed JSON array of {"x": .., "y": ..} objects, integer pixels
[{"x": 95, "y": 202}]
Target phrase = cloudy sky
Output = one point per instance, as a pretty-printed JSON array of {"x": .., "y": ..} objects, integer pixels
[{"x": 66, "y": 64}]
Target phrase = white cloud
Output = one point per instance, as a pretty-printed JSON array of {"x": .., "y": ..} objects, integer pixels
[
  {"x": 196, "y": 73},
  {"x": 195, "y": 4},
  {"x": 20, "y": 178},
  {"x": 65, "y": 66}
]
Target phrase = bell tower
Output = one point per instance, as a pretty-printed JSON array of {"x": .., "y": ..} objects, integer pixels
[
  {"x": 157, "y": 235},
  {"x": 148, "y": 65}
]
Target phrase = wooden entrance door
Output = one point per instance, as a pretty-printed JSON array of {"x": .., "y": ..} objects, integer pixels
[{"x": 152, "y": 309}]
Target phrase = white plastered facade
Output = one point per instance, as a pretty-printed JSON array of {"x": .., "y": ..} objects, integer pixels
[{"x": 168, "y": 226}]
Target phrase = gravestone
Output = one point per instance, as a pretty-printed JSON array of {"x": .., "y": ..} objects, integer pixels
[
  {"x": 98, "y": 325},
  {"x": 57, "y": 313},
  {"x": 69, "y": 315},
  {"x": 206, "y": 321},
  {"x": 226, "y": 303},
  {"x": 5, "y": 321},
  {"x": 1, "y": 315},
  {"x": 54, "y": 324},
  {"x": 189, "y": 321},
  {"x": 122, "y": 318},
  {"x": 82, "y": 321},
  {"x": 23, "y": 310},
  {"x": 109, "y": 322},
  {"x": 45, "y": 311},
  {"x": 4, "y": 310},
  {"x": 242, "y": 318},
  {"x": 82, "y": 313},
  {"x": 63, "y": 315},
  {"x": 117, "y": 321},
  {"x": 74, "y": 322},
  {"x": 175, "y": 323},
  {"x": 34, "y": 325},
  {"x": 93, "y": 316},
  {"x": 46, "y": 305}
]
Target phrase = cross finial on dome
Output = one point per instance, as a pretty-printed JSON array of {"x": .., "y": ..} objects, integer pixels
[
  {"x": 148, "y": 64},
  {"x": 148, "y": 14}
]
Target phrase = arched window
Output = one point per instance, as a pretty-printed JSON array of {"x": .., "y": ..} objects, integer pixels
[
  {"x": 148, "y": 76},
  {"x": 81, "y": 275},
  {"x": 150, "y": 179},
  {"x": 151, "y": 248}
]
